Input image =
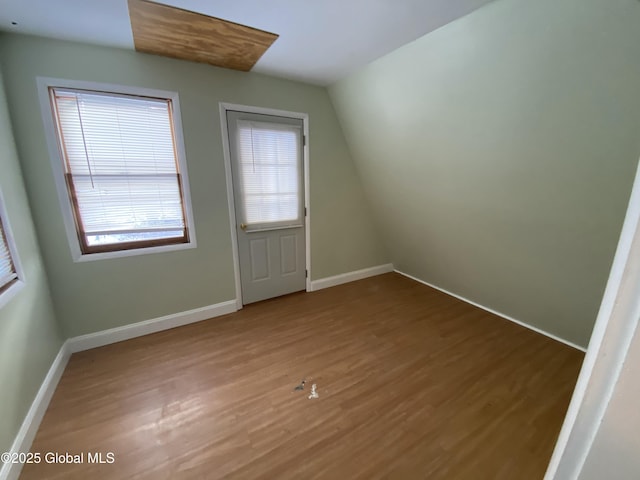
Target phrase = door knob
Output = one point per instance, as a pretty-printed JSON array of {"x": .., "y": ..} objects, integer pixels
[{"x": 243, "y": 226}]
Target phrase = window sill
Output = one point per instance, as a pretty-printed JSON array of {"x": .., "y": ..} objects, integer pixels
[
  {"x": 89, "y": 257},
  {"x": 11, "y": 292}
]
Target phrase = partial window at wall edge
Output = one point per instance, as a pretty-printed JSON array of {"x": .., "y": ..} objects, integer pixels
[{"x": 11, "y": 276}]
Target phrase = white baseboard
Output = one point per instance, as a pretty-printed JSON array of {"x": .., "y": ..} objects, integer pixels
[
  {"x": 126, "y": 332},
  {"x": 499, "y": 314},
  {"x": 31, "y": 423},
  {"x": 350, "y": 277}
]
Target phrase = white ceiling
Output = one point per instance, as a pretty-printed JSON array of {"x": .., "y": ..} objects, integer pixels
[{"x": 320, "y": 41}]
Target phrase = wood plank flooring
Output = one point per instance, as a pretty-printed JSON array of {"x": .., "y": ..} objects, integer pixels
[{"x": 413, "y": 384}]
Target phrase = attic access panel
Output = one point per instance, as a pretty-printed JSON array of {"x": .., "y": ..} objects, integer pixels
[{"x": 177, "y": 33}]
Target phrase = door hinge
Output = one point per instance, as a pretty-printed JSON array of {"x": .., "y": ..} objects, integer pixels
[
  {"x": 306, "y": 273},
  {"x": 304, "y": 140},
  {"x": 305, "y": 211}
]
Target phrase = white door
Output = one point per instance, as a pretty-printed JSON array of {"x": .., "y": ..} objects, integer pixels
[{"x": 268, "y": 185}]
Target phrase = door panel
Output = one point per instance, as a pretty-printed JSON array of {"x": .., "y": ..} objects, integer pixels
[
  {"x": 259, "y": 253},
  {"x": 288, "y": 263},
  {"x": 267, "y": 170}
]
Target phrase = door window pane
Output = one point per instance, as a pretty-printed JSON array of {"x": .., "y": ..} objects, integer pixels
[{"x": 269, "y": 167}]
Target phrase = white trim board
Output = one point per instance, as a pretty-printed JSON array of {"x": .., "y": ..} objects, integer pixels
[
  {"x": 609, "y": 346},
  {"x": 350, "y": 277},
  {"x": 31, "y": 423},
  {"x": 133, "y": 330},
  {"x": 499, "y": 314}
]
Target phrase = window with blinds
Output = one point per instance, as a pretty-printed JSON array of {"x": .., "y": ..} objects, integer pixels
[
  {"x": 270, "y": 173},
  {"x": 121, "y": 169},
  {"x": 8, "y": 273}
]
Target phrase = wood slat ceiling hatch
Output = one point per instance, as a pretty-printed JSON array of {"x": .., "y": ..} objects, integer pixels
[{"x": 177, "y": 33}]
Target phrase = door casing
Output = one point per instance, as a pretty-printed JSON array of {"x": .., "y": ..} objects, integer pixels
[{"x": 224, "y": 107}]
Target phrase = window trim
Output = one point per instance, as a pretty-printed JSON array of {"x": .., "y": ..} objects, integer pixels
[
  {"x": 8, "y": 292},
  {"x": 57, "y": 164}
]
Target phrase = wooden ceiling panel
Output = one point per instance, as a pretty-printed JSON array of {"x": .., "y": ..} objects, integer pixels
[{"x": 173, "y": 32}]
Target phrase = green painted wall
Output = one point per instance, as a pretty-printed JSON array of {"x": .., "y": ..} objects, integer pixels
[
  {"x": 93, "y": 296},
  {"x": 29, "y": 337},
  {"x": 498, "y": 153}
]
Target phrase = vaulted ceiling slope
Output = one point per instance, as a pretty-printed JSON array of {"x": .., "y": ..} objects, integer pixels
[
  {"x": 320, "y": 42},
  {"x": 498, "y": 154}
]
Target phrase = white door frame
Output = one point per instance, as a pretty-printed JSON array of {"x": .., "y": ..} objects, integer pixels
[
  {"x": 224, "y": 107},
  {"x": 614, "y": 329}
]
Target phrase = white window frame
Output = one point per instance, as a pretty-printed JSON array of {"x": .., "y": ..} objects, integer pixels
[
  {"x": 57, "y": 164},
  {"x": 19, "y": 284}
]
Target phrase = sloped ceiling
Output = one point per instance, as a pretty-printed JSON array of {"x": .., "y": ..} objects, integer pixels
[
  {"x": 498, "y": 154},
  {"x": 319, "y": 42}
]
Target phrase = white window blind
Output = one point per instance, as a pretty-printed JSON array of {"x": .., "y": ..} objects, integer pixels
[
  {"x": 7, "y": 268},
  {"x": 270, "y": 172},
  {"x": 121, "y": 169}
]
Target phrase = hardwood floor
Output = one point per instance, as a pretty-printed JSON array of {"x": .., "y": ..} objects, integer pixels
[{"x": 413, "y": 384}]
